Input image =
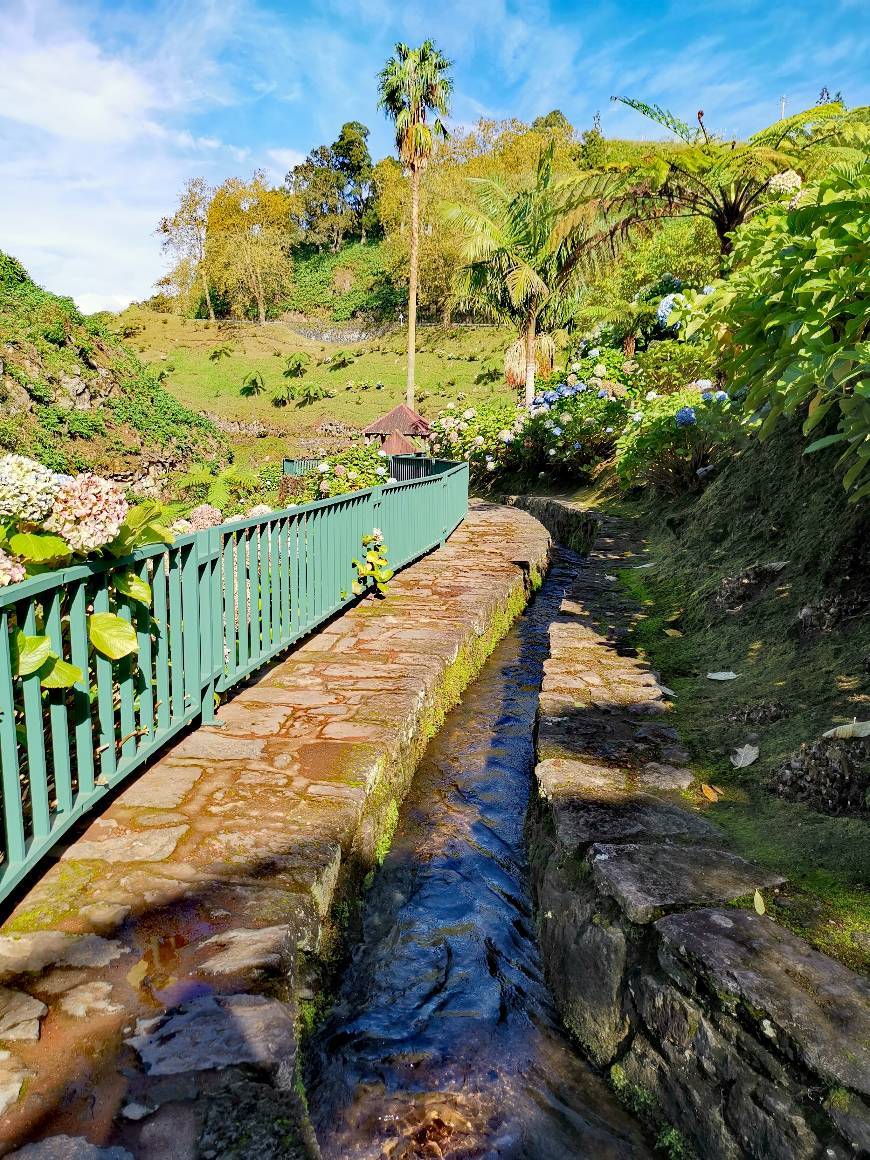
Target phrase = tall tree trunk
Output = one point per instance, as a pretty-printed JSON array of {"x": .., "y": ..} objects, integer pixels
[
  {"x": 412, "y": 284},
  {"x": 531, "y": 360},
  {"x": 207, "y": 294},
  {"x": 629, "y": 345}
]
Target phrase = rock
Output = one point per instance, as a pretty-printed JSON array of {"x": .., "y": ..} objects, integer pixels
[
  {"x": 19, "y": 1015},
  {"x": 241, "y": 951},
  {"x": 22, "y": 954},
  {"x": 585, "y": 962},
  {"x": 594, "y": 803},
  {"x": 134, "y": 846},
  {"x": 831, "y": 775},
  {"x": 647, "y": 879},
  {"x": 657, "y": 776},
  {"x": 852, "y": 1117},
  {"x": 219, "y": 1031},
  {"x": 134, "y": 1111},
  {"x": 89, "y": 999},
  {"x": 814, "y": 1006},
  {"x": 13, "y": 1073},
  {"x": 68, "y": 1148},
  {"x": 164, "y": 788},
  {"x": 243, "y": 1120}
]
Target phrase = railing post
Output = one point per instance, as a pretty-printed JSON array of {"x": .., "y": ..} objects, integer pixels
[
  {"x": 210, "y": 619},
  {"x": 445, "y": 515}
]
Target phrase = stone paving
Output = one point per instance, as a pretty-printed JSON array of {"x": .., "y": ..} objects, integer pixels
[
  {"x": 149, "y": 979},
  {"x": 716, "y": 1023}
]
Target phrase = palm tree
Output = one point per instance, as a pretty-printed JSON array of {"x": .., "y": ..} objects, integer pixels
[
  {"x": 726, "y": 181},
  {"x": 413, "y": 83},
  {"x": 526, "y": 252}
]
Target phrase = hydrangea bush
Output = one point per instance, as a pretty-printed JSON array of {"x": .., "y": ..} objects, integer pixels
[{"x": 673, "y": 442}]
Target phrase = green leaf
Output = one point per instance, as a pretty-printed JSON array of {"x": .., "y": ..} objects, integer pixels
[
  {"x": 38, "y": 547},
  {"x": 58, "y": 674},
  {"x": 827, "y": 441},
  {"x": 29, "y": 653},
  {"x": 133, "y": 587},
  {"x": 112, "y": 636}
]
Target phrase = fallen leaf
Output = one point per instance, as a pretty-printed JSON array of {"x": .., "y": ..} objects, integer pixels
[
  {"x": 638, "y": 567},
  {"x": 672, "y": 632},
  {"x": 720, "y": 792},
  {"x": 759, "y": 902},
  {"x": 744, "y": 755},
  {"x": 723, "y": 676},
  {"x": 667, "y": 692},
  {"x": 606, "y": 577},
  {"x": 708, "y": 792},
  {"x": 855, "y": 728}
]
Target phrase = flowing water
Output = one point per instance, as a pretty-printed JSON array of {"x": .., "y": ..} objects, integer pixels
[{"x": 444, "y": 1041}]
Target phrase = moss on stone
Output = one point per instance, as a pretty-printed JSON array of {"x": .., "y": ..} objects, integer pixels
[{"x": 68, "y": 880}]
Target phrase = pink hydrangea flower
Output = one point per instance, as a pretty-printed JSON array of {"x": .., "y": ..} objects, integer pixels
[
  {"x": 205, "y": 516},
  {"x": 87, "y": 512},
  {"x": 10, "y": 570}
]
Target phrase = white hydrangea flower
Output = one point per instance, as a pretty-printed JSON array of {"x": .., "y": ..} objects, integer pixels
[
  {"x": 787, "y": 182},
  {"x": 27, "y": 489},
  {"x": 650, "y": 395},
  {"x": 323, "y": 468},
  {"x": 506, "y": 436},
  {"x": 636, "y": 416},
  {"x": 478, "y": 440},
  {"x": 600, "y": 370},
  {"x": 594, "y": 353},
  {"x": 490, "y": 466},
  {"x": 380, "y": 471},
  {"x": 469, "y": 413}
]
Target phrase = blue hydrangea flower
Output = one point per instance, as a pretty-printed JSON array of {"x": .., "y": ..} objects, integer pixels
[
  {"x": 577, "y": 446},
  {"x": 580, "y": 388},
  {"x": 706, "y": 396},
  {"x": 721, "y": 396},
  {"x": 602, "y": 394},
  {"x": 686, "y": 417},
  {"x": 665, "y": 309},
  {"x": 557, "y": 430}
]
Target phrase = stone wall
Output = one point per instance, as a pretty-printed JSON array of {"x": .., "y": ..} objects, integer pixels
[
  {"x": 728, "y": 1034},
  {"x": 572, "y": 527}
]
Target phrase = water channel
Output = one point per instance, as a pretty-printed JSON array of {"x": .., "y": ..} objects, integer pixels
[{"x": 444, "y": 1041}]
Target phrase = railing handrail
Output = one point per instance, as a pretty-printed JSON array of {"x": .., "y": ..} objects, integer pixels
[
  {"x": 225, "y": 602},
  {"x": 34, "y": 585}
]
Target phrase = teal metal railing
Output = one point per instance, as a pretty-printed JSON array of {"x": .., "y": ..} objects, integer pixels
[{"x": 224, "y": 602}]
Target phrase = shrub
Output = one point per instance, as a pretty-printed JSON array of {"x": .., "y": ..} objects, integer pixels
[
  {"x": 667, "y": 366},
  {"x": 671, "y": 441},
  {"x": 793, "y": 320}
]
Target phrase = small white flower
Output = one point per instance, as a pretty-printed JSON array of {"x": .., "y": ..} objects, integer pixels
[
  {"x": 650, "y": 395},
  {"x": 490, "y": 466},
  {"x": 323, "y": 468},
  {"x": 600, "y": 370},
  {"x": 552, "y": 450},
  {"x": 594, "y": 353},
  {"x": 380, "y": 471},
  {"x": 478, "y": 440},
  {"x": 382, "y": 454},
  {"x": 505, "y": 436},
  {"x": 636, "y": 416},
  {"x": 470, "y": 413}
]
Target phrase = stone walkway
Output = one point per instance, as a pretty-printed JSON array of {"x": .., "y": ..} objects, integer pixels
[
  {"x": 149, "y": 980},
  {"x": 718, "y": 1025}
]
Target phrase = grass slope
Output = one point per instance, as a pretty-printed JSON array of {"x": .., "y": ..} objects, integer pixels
[
  {"x": 771, "y": 504},
  {"x": 449, "y": 363}
]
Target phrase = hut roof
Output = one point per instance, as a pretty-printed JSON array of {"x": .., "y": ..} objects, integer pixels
[
  {"x": 401, "y": 419},
  {"x": 398, "y": 444}
]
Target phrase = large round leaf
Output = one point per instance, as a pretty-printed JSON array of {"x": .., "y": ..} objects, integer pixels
[{"x": 110, "y": 635}]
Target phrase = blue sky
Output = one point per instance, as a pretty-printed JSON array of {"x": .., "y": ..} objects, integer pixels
[{"x": 106, "y": 108}]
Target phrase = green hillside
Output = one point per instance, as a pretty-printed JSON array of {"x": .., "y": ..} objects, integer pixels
[{"x": 75, "y": 397}]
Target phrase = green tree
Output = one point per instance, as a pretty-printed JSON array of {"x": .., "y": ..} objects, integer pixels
[
  {"x": 332, "y": 191},
  {"x": 727, "y": 181},
  {"x": 249, "y": 236},
  {"x": 526, "y": 252},
  {"x": 184, "y": 234},
  {"x": 413, "y": 84}
]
